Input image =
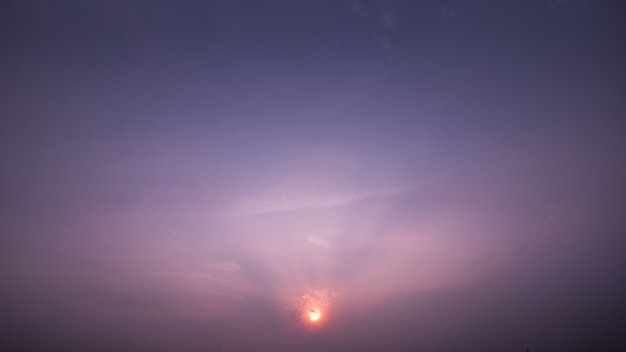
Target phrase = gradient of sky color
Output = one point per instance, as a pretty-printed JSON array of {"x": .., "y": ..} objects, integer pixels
[{"x": 435, "y": 175}]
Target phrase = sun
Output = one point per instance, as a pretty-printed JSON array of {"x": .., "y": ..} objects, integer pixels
[
  {"x": 314, "y": 314},
  {"x": 312, "y": 310}
]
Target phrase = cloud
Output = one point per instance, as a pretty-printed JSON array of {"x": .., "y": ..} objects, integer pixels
[
  {"x": 298, "y": 200},
  {"x": 318, "y": 300},
  {"x": 388, "y": 18},
  {"x": 384, "y": 20},
  {"x": 318, "y": 241}
]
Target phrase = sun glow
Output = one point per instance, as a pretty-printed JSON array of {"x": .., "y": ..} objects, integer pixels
[
  {"x": 314, "y": 314},
  {"x": 311, "y": 309}
]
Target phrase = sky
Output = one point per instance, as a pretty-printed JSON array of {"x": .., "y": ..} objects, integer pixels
[{"x": 350, "y": 175}]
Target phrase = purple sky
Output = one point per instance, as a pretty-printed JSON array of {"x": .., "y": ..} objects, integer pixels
[{"x": 432, "y": 175}]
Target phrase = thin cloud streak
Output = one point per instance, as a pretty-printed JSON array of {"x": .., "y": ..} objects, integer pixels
[
  {"x": 318, "y": 241},
  {"x": 295, "y": 201}
]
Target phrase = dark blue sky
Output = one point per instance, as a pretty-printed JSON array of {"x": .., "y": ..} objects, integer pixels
[{"x": 425, "y": 175}]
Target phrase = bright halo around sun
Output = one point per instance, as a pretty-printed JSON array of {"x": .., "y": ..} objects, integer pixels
[
  {"x": 312, "y": 310},
  {"x": 314, "y": 314}
]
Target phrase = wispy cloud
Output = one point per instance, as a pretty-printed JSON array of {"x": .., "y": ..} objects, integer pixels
[
  {"x": 299, "y": 200},
  {"x": 384, "y": 19},
  {"x": 318, "y": 241},
  {"x": 388, "y": 18}
]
